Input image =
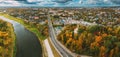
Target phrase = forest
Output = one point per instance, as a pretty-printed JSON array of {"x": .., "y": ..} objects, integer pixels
[
  {"x": 7, "y": 38},
  {"x": 96, "y": 40}
]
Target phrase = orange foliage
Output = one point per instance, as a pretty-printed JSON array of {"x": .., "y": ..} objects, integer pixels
[
  {"x": 98, "y": 38},
  {"x": 94, "y": 44},
  {"x": 69, "y": 40},
  {"x": 70, "y": 34},
  {"x": 80, "y": 42},
  {"x": 102, "y": 51},
  {"x": 4, "y": 34},
  {"x": 104, "y": 35}
]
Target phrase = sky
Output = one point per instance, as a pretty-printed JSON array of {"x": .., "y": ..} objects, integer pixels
[{"x": 59, "y": 3}]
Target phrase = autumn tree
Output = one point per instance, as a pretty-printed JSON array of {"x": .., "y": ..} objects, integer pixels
[{"x": 102, "y": 51}]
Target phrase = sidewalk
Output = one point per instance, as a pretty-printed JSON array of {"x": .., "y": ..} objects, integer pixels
[{"x": 49, "y": 51}]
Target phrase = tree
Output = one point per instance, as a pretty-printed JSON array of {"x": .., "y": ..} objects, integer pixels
[
  {"x": 80, "y": 31},
  {"x": 95, "y": 29},
  {"x": 117, "y": 31},
  {"x": 111, "y": 53},
  {"x": 94, "y": 44},
  {"x": 80, "y": 43},
  {"x": 1, "y": 51},
  {"x": 117, "y": 51},
  {"x": 102, "y": 51},
  {"x": 104, "y": 35},
  {"x": 68, "y": 42},
  {"x": 98, "y": 39}
]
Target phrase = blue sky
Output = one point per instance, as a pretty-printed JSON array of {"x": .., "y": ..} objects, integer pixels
[{"x": 59, "y": 3}]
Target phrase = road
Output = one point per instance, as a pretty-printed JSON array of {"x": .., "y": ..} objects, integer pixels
[{"x": 62, "y": 51}]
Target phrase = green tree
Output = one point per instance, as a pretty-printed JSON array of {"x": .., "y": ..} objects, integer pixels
[{"x": 95, "y": 29}]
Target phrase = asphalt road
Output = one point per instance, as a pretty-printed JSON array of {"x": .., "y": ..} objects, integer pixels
[{"x": 63, "y": 52}]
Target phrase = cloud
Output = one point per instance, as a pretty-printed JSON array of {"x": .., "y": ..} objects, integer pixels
[
  {"x": 10, "y": 3},
  {"x": 60, "y": 3},
  {"x": 34, "y": 0},
  {"x": 115, "y": 1}
]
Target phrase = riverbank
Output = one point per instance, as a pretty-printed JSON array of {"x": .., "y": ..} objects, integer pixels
[
  {"x": 14, "y": 40},
  {"x": 32, "y": 29},
  {"x": 7, "y": 39}
]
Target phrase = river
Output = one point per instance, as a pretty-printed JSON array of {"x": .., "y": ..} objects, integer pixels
[{"x": 27, "y": 43}]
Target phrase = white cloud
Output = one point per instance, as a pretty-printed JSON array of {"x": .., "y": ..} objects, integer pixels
[
  {"x": 10, "y": 3},
  {"x": 80, "y": 2},
  {"x": 34, "y": 0}
]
